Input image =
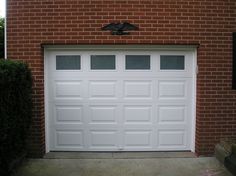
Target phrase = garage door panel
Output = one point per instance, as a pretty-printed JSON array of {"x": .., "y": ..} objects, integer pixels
[
  {"x": 172, "y": 114},
  {"x": 69, "y": 139},
  {"x": 100, "y": 139},
  {"x": 172, "y": 138},
  {"x": 138, "y": 126},
  {"x": 172, "y": 89},
  {"x": 137, "y": 89},
  {"x": 69, "y": 89},
  {"x": 101, "y": 127},
  {"x": 103, "y": 114},
  {"x": 172, "y": 102},
  {"x": 103, "y": 89},
  {"x": 68, "y": 126},
  {"x": 138, "y": 114},
  {"x": 172, "y": 126},
  {"x": 69, "y": 114},
  {"x": 138, "y": 139}
]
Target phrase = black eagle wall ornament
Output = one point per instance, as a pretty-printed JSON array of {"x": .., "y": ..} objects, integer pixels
[{"x": 120, "y": 28}]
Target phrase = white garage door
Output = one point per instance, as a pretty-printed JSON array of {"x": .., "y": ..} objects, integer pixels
[{"x": 120, "y": 100}]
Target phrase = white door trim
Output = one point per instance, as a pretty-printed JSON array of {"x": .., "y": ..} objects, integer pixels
[
  {"x": 49, "y": 49},
  {"x": 194, "y": 100}
]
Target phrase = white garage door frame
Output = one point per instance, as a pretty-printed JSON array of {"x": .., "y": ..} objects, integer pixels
[{"x": 151, "y": 48}]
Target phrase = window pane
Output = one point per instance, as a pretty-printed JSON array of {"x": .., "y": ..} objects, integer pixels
[
  {"x": 137, "y": 62},
  {"x": 103, "y": 62},
  {"x": 172, "y": 62},
  {"x": 68, "y": 62}
]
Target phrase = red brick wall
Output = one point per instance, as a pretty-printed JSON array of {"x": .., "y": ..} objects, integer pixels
[{"x": 209, "y": 23}]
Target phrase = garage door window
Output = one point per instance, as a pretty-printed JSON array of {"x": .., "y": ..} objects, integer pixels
[
  {"x": 103, "y": 62},
  {"x": 137, "y": 62},
  {"x": 68, "y": 62},
  {"x": 172, "y": 62}
]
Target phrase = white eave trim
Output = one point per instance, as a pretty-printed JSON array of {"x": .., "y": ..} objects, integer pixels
[{"x": 122, "y": 47}]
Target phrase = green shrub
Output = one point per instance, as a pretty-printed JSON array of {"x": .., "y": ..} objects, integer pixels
[
  {"x": 2, "y": 24},
  {"x": 15, "y": 111}
]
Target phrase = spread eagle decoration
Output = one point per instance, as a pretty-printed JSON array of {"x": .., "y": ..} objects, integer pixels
[{"x": 119, "y": 28}]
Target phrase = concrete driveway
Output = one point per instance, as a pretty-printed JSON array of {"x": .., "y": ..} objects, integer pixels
[{"x": 207, "y": 166}]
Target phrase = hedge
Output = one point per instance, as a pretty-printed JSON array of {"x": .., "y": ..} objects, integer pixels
[
  {"x": 2, "y": 50},
  {"x": 15, "y": 112}
]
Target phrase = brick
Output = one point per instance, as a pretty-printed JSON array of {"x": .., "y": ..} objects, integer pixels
[{"x": 207, "y": 23}]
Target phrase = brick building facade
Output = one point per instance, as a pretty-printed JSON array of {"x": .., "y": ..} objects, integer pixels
[{"x": 33, "y": 24}]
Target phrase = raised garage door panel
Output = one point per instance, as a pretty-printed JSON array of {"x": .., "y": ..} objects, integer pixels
[{"x": 119, "y": 107}]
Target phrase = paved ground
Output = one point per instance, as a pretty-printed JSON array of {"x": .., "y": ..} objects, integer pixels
[
  {"x": 124, "y": 167},
  {"x": 117, "y": 155}
]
